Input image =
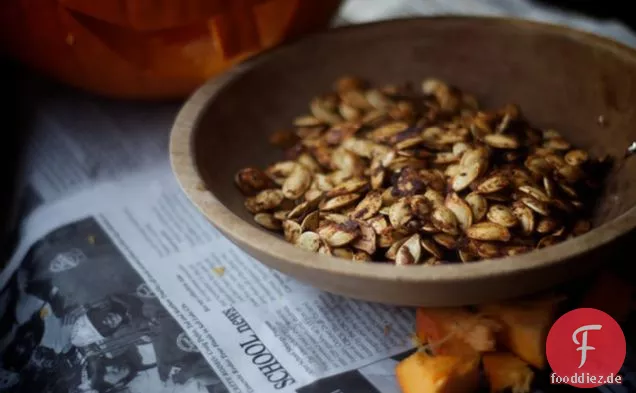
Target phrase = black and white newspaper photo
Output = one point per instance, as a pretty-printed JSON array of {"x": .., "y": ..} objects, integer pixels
[{"x": 79, "y": 319}]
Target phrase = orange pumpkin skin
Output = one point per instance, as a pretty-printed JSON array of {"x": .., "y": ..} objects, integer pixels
[{"x": 150, "y": 49}]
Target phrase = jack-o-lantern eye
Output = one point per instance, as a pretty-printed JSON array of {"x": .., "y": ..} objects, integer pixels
[
  {"x": 150, "y": 48},
  {"x": 152, "y": 15}
]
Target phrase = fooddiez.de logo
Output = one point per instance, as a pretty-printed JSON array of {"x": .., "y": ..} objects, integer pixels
[{"x": 585, "y": 348}]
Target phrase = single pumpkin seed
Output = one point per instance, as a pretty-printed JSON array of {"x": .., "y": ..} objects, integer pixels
[
  {"x": 311, "y": 221},
  {"x": 387, "y": 197},
  {"x": 321, "y": 112},
  {"x": 361, "y": 256},
  {"x": 281, "y": 215},
  {"x": 570, "y": 173},
  {"x": 576, "y": 157},
  {"x": 445, "y": 220},
  {"x": 369, "y": 206},
  {"x": 453, "y": 170},
  {"x": 492, "y": 184},
  {"x": 478, "y": 205},
  {"x": 557, "y": 143},
  {"x": 570, "y": 191},
  {"x": 434, "y": 197},
  {"x": 525, "y": 216},
  {"x": 488, "y": 250},
  {"x": 465, "y": 177},
  {"x": 268, "y": 221},
  {"x": 536, "y": 205},
  {"x": 348, "y": 187},
  {"x": 432, "y": 248},
  {"x": 305, "y": 207},
  {"x": 551, "y": 134},
  {"x": 410, "y": 252},
  {"x": 535, "y": 193},
  {"x": 477, "y": 156},
  {"x": 343, "y": 253},
  {"x": 502, "y": 215},
  {"x": 546, "y": 241},
  {"x": 501, "y": 141},
  {"x": 408, "y": 142},
  {"x": 517, "y": 250},
  {"x": 547, "y": 225},
  {"x": 334, "y": 217},
  {"x": 400, "y": 213},
  {"x": 280, "y": 171},
  {"x": 339, "y": 202},
  {"x": 378, "y": 223},
  {"x": 359, "y": 147},
  {"x": 309, "y": 241},
  {"x": 349, "y": 112},
  {"x": 313, "y": 193},
  {"x": 555, "y": 160},
  {"x": 388, "y": 236},
  {"x": 445, "y": 158},
  {"x": 550, "y": 187},
  {"x": 264, "y": 200},
  {"x": 385, "y": 132},
  {"x": 460, "y": 147},
  {"x": 445, "y": 240},
  {"x": 308, "y": 162},
  {"x": 460, "y": 209},
  {"x": 291, "y": 230},
  {"x": 378, "y": 100},
  {"x": 431, "y": 86},
  {"x": 538, "y": 165},
  {"x": 391, "y": 252},
  {"x": 307, "y": 121},
  {"x": 420, "y": 206},
  {"x": 252, "y": 180},
  {"x": 338, "y": 235},
  {"x": 466, "y": 256},
  {"x": 297, "y": 183},
  {"x": 428, "y": 227},
  {"x": 367, "y": 240},
  {"x": 488, "y": 231}
]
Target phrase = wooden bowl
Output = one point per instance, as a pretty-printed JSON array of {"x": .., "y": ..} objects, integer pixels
[{"x": 561, "y": 78}]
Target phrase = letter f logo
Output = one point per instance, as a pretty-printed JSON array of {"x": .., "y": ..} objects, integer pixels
[{"x": 584, "y": 347}]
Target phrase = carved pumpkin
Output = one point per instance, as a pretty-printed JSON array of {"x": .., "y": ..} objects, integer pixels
[{"x": 150, "y": 48}]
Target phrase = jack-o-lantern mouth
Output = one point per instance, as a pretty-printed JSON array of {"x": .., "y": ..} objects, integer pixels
[{"x": 217, "y": 34}]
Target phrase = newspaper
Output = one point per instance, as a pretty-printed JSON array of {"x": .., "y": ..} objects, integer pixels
[
  {"x": 103, "y": 274},
  {"x": 118, "y": 284}
]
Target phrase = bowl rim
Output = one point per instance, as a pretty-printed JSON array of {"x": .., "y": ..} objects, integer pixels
[{"x": 183, "y": 163}]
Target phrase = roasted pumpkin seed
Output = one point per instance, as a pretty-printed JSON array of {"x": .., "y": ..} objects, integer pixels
[{"x": 377, "y": 171}]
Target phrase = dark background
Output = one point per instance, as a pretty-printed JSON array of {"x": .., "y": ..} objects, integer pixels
[
  {"x": 13, "y": 133},
  {"x": 603, "y": 9}
]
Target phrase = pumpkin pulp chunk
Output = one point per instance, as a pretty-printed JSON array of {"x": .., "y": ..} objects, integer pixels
[{"x": 455, "y": 331}]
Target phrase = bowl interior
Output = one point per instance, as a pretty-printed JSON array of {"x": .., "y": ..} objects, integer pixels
[{"x": 561, "y": 79}]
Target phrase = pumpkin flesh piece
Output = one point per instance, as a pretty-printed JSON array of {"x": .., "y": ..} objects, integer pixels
[
  {"x": 506, "y": 372},
  {"x": 422, "y": 373},
  {"x": 525, "y": 327}
]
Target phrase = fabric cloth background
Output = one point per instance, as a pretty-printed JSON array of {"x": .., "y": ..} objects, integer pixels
[{"x": 359, "y": 11}]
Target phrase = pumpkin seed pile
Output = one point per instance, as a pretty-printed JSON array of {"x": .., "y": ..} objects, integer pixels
[{"x": 421, "y": 175}]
